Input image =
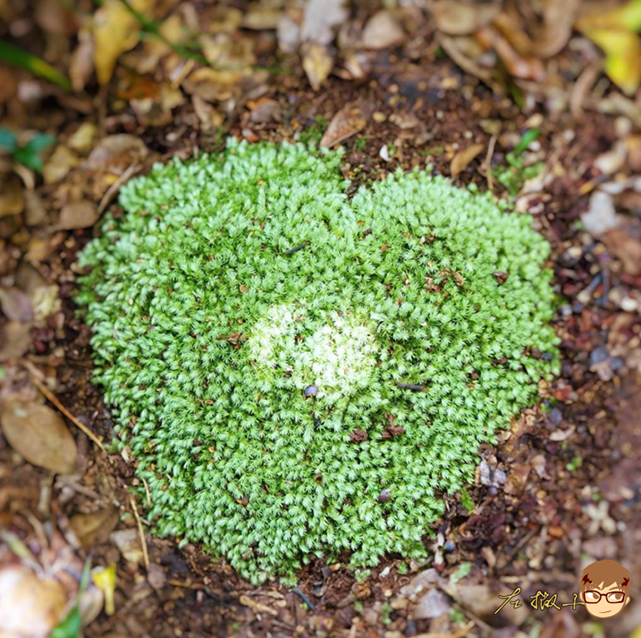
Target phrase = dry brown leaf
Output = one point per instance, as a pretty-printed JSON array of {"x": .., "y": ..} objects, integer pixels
[
  {"x": 625, "y": 244},
  {"x": 59, "y": 164},
  {"x": 318, "y": 63},
  {"x": 83, "y": 138},
  {"x": 16, "y": 305},
  {"x": 35, "y": 211},
  {"x": 320, "y": 19},
  {"x": 115, "y": 31},
  {"x": 351, "y": 119},
  {"x": 463, "y": 158},
  {"x": 558, "y": 18},
  {"x": 15, "y": 340},
  {"x": 128, "y": 543},
  {"x": 81, "y": 63},
  {"x": 463, "y": 18},
  {"x": 288, "y": 34},
  {"x": 261, "y": 16},
  {"x": 29, "y": 606},
  {"x": 82, "y": 214},
  {"x": 382, "y": 31},
  {"x": 40, "y": 435},
  {"x": 95, "y": 526},
  {"x": 116, "y": 153},
  {"x": 11, "y": 196}
]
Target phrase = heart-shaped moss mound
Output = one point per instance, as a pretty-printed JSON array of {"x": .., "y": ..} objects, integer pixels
[{"x": 298, "y": 373}]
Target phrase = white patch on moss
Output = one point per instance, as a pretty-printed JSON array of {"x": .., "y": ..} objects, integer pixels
[{"x": 338, "y": 357}]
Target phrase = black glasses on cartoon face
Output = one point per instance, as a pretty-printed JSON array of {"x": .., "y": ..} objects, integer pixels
[{"x": 592, "y": 597}]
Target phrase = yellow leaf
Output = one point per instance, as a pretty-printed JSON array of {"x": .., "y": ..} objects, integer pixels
[
  {"x": 105, "y": 579},
  {"x": 622, "y": 56},
  {"x": 625, "y": 18},
  {"x": 115, "y": 31}
]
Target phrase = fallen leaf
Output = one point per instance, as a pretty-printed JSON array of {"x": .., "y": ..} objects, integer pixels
[
  {"x": 432, "y": 604},
  {"x": 29, "y": 606},
  {"x": 351, "y": 119},
  {"x": 97, "y": 525},
  {"x": 115, "y": 30},
  {"x": 558, "y": 19},
  {"x": 463, "y": 158},
  {"x": 59, "y": 164},
  {"x": 601, "y": 215},
  {"x": 463, "y": 18},
  {"x": 320, "y": 18},
  {"x": 15, "y": 340},
  {"x": 81, "y": 62},
  {"x": 260, "y": 16},
  {"x": 288, "y": 33},
  {"x": 40, "y": 435},
  {"x": 105, "y": 579},
  {"x": 128, "y": 543},
  {"x": 625, "y": 244},
  {"x": 35, "y": 211},
  {"x": 622, "y": 56},
  {"x": 82, "y": 140},
  {"x": 11, "y": 196},
  {"x": 16, "y": 306},
  {"x": 116, "y": 153},
  {"x": 82, "y": 214},
  {"x": 382, "y": 31},
  {"x": 626, "y": 17},
  {"x": 318, "y": 63}
]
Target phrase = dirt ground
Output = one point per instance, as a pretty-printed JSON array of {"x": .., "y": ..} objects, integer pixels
[{"x": 563, "y": 487}]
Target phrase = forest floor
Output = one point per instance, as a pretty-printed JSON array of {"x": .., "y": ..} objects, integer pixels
[{"x": 562, "y": 488}]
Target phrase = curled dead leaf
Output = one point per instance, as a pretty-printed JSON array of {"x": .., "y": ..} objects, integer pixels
[
  {"x": 116, "y": 153},
  {"x": 29, "y": 606},
  {"x": 83, "y": 214},
  {"x": 462, "y": 18},
  {"x": 320, "y": 19},
  {"x": 382, "y": 31},
  {"x": 115, "y": 30},
  {"x": 16, "y": 305},
  {"x": 558, "y": 18},
  {"x": 39, "y": 434},
  {"x": 128, "y": 543},
  {"x": 15, "y": 340},
  {"x": 11, "y": 196},
  {"x": 351, "y": 119},
  {"x": 94, "y": 526},
  {"x": 59, "y": 164},
  {"x": 318, "y": 63},
  {"x": 463, "y": 158}
]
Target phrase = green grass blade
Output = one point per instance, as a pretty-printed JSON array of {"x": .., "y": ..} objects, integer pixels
[{"x": 20, "y": 58}]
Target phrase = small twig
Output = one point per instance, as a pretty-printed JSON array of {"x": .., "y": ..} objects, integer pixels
[
  {"x": 487, "y": 163},
  {"x": 304, "y": 598},
  {"x": 412, "y": 386},
  {"x": 115, "y": 187},
  {"x": 147, "y": 493},
  {"x": 291, "y": 251},
  {"x": 49, "y": 395},
  {"x": 145, "y": 554}
]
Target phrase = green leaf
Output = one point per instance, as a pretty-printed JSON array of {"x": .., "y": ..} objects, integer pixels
[
  {"x": 39, "y": 142},
  {"x": 8, "y": 140},
  {"x": 28, "y": 159},
  {"x": 70, "y": 626},
  {"x": 18, "y": 57}
]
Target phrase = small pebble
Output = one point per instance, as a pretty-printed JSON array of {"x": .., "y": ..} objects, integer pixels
[{"x": 311, "y": 391}]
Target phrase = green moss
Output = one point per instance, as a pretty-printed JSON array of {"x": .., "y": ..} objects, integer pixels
[{"x": 207, "y": 329}]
